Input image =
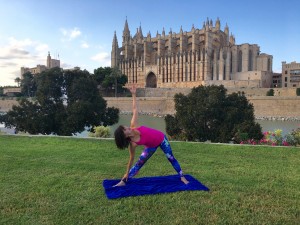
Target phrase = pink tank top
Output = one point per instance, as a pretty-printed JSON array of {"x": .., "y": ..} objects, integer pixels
[{"x": 150, "y": 137}]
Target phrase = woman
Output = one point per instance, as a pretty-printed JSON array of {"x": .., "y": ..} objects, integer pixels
[{"x": 141, "y": 135}]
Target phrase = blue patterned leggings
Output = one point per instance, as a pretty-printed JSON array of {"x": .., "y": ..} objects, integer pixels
[{"x": 148, "y": 152}]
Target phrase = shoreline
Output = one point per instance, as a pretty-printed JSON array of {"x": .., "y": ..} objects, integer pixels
[{"x": 267, "y": 118}]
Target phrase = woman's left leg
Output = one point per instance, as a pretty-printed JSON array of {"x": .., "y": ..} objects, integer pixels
[{"x": 166, "y": 147}]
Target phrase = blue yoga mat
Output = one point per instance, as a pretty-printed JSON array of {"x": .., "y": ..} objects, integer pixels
[{"x": 151, "y": 185}]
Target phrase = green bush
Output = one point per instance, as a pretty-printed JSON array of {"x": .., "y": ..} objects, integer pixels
[
  {"x": 240, "y": 136},
  {"x": 100, "y": 132},
  {"x": 270, "y": 92},
  {"x": 296, "y": 135},
  {"x": 208, "y": 113},
  {"x": 298, "y": 91}
]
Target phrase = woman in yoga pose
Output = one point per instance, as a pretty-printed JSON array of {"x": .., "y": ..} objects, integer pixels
[{"x": 141, "y": 135}]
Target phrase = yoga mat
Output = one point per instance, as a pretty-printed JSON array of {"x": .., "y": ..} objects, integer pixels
[{"x": 151, "y": 185}]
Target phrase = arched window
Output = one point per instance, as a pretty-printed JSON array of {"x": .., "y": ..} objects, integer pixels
[
  {"x": 240, "y": 60},
  {"x": 250, "y": 62},
  {"x": 230, "y": 62}
]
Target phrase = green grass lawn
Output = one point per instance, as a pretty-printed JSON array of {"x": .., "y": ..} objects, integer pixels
[{"x": 56, "y": 180}]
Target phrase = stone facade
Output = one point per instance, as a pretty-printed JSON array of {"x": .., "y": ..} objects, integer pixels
[
  {"x": 11, "y": 92},
  {"x": 191, "y": 58},
  {"x": 51, "y": 63},
  {"x": 290, "y": 74}
]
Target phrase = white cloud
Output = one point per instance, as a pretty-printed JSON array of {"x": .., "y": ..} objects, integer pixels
[
  {"x": 42, "y": 47},
  {"x": 103, "y": 58},
  {"x": 70, "y": 34},
  {"x": 18, "y": 53},
  {"x": 19, "y": 43},
  {"x": 84, "y": 45}
]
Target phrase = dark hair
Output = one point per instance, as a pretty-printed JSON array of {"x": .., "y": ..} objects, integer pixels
[{"x": 121, "y": 141}]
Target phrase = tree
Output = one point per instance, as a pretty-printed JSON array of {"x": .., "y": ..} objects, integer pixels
[
  {"x": 207, "y": 113},
  {"x": 18, "y": 81},
  {"x": 101, "y": 73},
  {"x": 270, "y": 92},
  {"x": 110, "y": 79},
  {"x": 28, "y": 85},
  {"x": 298, "y": 91},
  {"x": 66, "y": 103}
]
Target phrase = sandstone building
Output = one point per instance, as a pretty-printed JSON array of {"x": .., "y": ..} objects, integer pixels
[
  {"x": 290, "y": 74},
  {"x": 191, "y": 58},
  {"x": 51, "y": 63}
]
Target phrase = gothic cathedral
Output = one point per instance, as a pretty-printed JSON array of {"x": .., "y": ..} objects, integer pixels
[{"x": 190, "y": 58}]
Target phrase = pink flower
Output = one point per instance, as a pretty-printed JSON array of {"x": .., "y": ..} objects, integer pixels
[{"x": 285, "y": 143}]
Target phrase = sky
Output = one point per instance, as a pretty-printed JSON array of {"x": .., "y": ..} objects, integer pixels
[{"x": 80, "y": 32}]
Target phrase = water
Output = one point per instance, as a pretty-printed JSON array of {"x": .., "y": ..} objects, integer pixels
[
  {"x": 150, "y": 121},
  {"x": 159, "y": 123},
  {"x": 285, "y": 126}
]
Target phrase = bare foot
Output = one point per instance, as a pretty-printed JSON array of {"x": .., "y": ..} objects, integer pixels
[
  {"x": 184, "y": 180},
  {"x": 121, "y": 183}
]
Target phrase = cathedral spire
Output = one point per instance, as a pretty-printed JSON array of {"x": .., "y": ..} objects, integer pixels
[
  {"x": 126, "y": 28},
  {"x": 126, "y": 32},
  {"x": 163, "y": 32},
  {"x": 193, "y": 28},
  {"x": 140, "y": 31},
  {"x": 114, "y": 51},
  {"x": 226, "y": 30},
  {"x": 115, "y": 40},
  {"x": 218, "y": 24}
]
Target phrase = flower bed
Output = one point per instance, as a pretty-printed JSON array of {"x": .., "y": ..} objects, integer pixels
[{"x": 275, "y": 138}]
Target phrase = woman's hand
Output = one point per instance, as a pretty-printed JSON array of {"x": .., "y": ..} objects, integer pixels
[
  {"x": 125, "y": 177},
  {"x": 122, "y": 181},
  {"x": 133, "y": 89}
]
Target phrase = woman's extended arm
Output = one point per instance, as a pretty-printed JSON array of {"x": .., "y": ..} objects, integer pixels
[
  {"x": 132, "y": 147},
  {"x": 134, "y": 119}
]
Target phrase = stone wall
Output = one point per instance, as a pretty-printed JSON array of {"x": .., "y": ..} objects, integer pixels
[
  {"x": 249, "y": 92},
  {"x": 6, "y": 104},
  {"x": 149, "y": 105},
  {"x": 264, "y": 106},
  {"x": 269, "y": 106}
]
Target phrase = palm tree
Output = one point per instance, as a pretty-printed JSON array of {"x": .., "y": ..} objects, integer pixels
[
  {"x": 18, "y": 81},
  {"x": 116, "y": 73}
]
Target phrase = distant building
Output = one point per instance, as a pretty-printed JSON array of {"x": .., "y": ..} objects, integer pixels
[
  {"x": 51, "y": 63},
  {"x": 73, "y": 69},
  {"x": 33, "y": 70},
  {"x": 191, "y": 58},
  {"x": 12, "y": 91},
  {"x": 290, "y": 74},
  {"x": 277, "y": 80}
]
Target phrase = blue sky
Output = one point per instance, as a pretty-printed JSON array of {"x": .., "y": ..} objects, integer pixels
[{"x": 81, "y": 32}]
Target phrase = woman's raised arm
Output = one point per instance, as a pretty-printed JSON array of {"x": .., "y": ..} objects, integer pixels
[{"x": 134, "y": 119}]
